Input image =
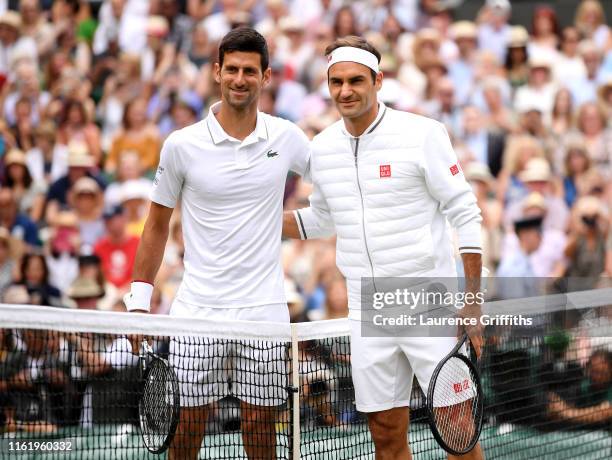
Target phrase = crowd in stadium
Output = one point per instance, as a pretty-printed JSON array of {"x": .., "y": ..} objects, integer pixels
[{"x": 90, "y": 90}]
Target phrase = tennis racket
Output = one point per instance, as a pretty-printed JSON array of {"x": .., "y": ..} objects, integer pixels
[
  {"x": 158, "y": 407},
  {"x": 455, "y": 401}
]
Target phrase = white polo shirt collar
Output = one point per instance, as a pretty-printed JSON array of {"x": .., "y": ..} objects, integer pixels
[{"x": 218, "y": 134}]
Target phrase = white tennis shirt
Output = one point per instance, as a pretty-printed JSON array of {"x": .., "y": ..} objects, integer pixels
[{"x": 231, "y": 194}]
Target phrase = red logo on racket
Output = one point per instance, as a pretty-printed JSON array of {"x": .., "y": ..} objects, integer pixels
[
  {"x": 385, "y": 170},
  {"x": 454, "y": 169},
  {"x": 457, "y": 387}
]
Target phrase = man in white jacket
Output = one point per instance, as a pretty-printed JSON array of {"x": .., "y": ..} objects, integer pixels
[{"x": 386, "y": 183}]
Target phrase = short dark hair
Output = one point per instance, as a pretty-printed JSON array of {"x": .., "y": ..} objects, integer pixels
[
  {"x": 247, "y": 40},
  {"x": 354, "y": 42}
]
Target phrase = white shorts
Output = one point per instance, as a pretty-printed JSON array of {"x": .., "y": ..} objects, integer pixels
[
  {"x": 211, "y": 369},
  {"x": 383, "y": 368}
]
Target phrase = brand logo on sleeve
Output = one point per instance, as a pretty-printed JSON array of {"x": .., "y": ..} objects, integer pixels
[
  {"x": 385, "y": 170},
  {"x": 454, "y": 169}
]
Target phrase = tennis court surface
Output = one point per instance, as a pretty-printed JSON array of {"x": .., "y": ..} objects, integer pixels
[{"x": 70, "y": 376}]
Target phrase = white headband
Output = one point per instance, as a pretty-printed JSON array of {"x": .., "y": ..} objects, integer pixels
[{"x": 352, "y": 54}]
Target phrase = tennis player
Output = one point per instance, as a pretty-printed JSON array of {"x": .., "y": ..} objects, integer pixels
[
  {"x": 386, "y": 182},
  {"x": 229, "y": 171}
]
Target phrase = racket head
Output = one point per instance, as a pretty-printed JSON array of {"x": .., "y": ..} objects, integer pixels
[
  {"x": 455, "y": 404},
  {"x": 159, "y": 405}
]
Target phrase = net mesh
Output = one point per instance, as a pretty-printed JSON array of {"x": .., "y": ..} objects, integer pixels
[{"x": 71, "y": 376}]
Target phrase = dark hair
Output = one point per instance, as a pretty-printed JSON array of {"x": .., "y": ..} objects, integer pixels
[
  {"x": 25, "y": 262},
  {"x": 247, "y": 40},
  {"x": 73, "y": 104},
  {"x": 27, "y": 177},
  {"x": 354, "y": 42}
]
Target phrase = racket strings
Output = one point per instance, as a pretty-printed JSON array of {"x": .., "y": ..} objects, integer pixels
[
  {"x": 157, "y": 405},
  {"x": 456, "y": 404}
]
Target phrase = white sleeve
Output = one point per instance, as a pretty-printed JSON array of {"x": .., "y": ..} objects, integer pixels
[
  {"x": 315, "y": 221},
  {"x": 446, "y": 183},
  {"x": 169, "y": 177},
  {"x": 300, "y": 163}
]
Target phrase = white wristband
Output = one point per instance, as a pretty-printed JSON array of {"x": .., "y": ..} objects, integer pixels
[{"x": 139, "y": 297}]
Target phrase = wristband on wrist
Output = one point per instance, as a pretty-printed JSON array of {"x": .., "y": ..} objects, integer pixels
[{"x": 139, "y": 297}]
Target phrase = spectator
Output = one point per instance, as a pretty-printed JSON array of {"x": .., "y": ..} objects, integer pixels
[
  {"x": 591, "y": 123},
  {"x": 34, "y": 275},
  {"x": 20, "y": 225},
  {"x": 63, "y": 249},
  {"x": 544, "y": 33},
  {"x": 87, "y": 202},
  {"x": 80, "y": 164},
  {"x": 537, "y": 177},
  {"x": 47, "y": 161},
  {"x": 569, "y": 65},
  {"x": 130, "y": 169},
  {"x": 345, "y": 22},
  {"x": 516, "y": 275},
  {"x": 585, "y": 252},
  {"x": 500, "y": 117},
  {"x": 493, "y": 29},
  {"x": 30, "y": 194},
  {"x": 516, "y": 63},
  {"x": 546, "y": 258},
  {"x": 562, "y": 117},
  {"x": 461, "y": 70},
  {"x": 135, "y": 202},
  {"x": 590, "y": 20},
  {"x": 75, "y": 126},
  {"x": 12, "y": 43},
  {"x": 485, "y": 146},
  {"x": 539, "y": 90},
  {"x": 25, "y": 86},
  {"x": 117, "y": 249},
  {"x": 584, "y": 89},
  {"x": 138, "y": 134},
  {"x": 577, "y": 165},
  {"x": 86, "y": 293},
  {"x": 605, "y": 99}
]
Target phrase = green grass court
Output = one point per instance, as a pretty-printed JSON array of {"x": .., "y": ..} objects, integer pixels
[{"x": 123, "y": 442}]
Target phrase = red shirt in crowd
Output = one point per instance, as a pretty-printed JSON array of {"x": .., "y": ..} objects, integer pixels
[{"x": 117, "y": 259}]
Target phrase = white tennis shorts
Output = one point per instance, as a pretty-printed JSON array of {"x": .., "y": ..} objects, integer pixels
[
  {"x": 211, "y": 369},
  {"x": 383, "y": 368}
]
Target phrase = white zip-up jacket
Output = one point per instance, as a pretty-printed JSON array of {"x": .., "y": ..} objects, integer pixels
[{"x": 388, "y": 195}]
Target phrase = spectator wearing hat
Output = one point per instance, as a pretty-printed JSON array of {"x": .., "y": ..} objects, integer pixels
[
  {"x": 293, "y": 50},
  {"x": 34, "y": 275},
  {"x": 135, "y": 202},
  {"x": 546, "y": 258},
  {"x": 461, "y": 70},
  {"x": 516, "y": 277},
  {"x": 86, "y": 293},
  {"x": 537, "y": 177},
  {"x": 117, "y": 249},
  {"x": 493, "y": 28},
  {"x": 568, "y": 65},
  {"x": 87, "y": 201},
  {"x": 13, "y": 44},
  {"x": 47, "y": 161},
  {"x": 138, "y": 134},
  {"x": 62, "y": 250},
  {"x": 30, "y": 194},
  {"x": 18, "y": 224},
  {"x": 516, "y": 62},
  {"x": 539, "y": 88},
  {"x": 80, "y": 164}
]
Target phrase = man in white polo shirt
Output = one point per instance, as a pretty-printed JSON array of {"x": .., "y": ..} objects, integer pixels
[
  {"x": 386, "y": 183},
  {"x": 229, "y": 171}
]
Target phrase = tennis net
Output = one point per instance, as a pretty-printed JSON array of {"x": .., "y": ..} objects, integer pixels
[{"x": 69, "y": 380}]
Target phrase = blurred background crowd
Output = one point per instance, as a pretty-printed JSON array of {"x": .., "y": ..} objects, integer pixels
[{"x": 89, "y": 90}]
